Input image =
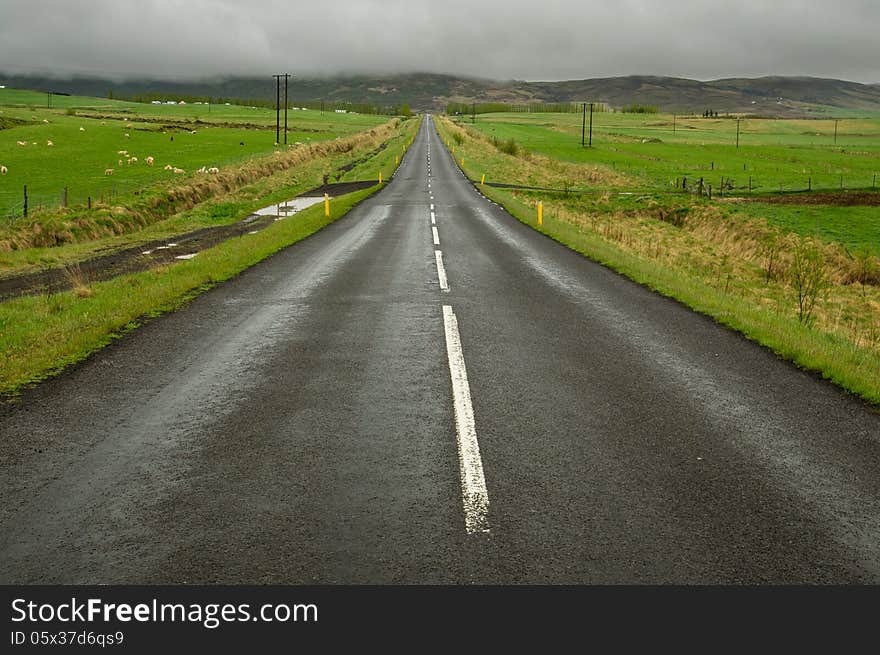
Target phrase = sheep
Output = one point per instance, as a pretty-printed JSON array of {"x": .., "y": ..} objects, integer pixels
[
  {"x": 127, "y": 135},
  {"x": 133, "y": 160},
  {"x": 49, "y": 144},
  {"x": 193, "y": 132},
  {"x": 149, "y": 161},
  {"x": 179, "y": 171},
  {"x": 108, "y": 171},
  {"x": 21, "y": 143},
  {"x": 213, "y": 170},
  {"x": 46, "y": 121},
  {"x": 168, "y": 167},
  {"x": 82, "y": 129},
  {"x": 120, "y": 162},
  {"x": 3, "y": 170},
  {"x": 122, "y": 152},
  {"x": 202, "y": 170}
]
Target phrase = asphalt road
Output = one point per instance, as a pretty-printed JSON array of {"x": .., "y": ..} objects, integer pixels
[{"x": 335, "y": 415}]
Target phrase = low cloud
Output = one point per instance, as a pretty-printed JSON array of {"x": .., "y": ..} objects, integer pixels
[{"x": 550, "y": 40}]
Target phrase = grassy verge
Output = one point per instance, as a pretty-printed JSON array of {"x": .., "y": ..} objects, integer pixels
[
  {"x": 42, "y": 335},
  {"x": 738, "y": 272},
  {"x": 62, "y": 238}
]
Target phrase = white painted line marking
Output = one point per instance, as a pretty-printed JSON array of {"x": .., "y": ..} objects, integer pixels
[
  {"x": 441, "y": 271},
  {"x": 475, "y": 498},
  {"x": 253, "y": 231},
  {"x": 436, "y": 236},
  {"x": 433, "y": 219},
  {"x": 189, "y": 256},
  {"x": 147, "y": 252},
  {"x": 432, "y": 207}
]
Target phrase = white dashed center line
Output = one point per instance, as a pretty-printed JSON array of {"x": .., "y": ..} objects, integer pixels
[
  {"x": 475, "y": 497},
  {"x": 441, "y": 271},
  {"x": 436, "y": 236}
]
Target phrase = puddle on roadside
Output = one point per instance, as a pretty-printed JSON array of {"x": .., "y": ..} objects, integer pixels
[{"x": 290, "y": 207}]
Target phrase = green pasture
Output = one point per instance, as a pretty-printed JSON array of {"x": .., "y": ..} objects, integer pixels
[
  {"x": 88, "y": 134},
  {"x": 658, "y": 149}
]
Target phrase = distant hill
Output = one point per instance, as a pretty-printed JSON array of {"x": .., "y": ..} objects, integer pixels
[{"x": 768, "y": 96}]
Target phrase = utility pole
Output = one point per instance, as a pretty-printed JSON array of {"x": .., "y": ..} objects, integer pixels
[
  {"x": 277, "y": 108},
  {"x": 584, "y": 127},
  {"x": 48, "y": 100},
  {"x": 591, "y": 124},
  {"x": 835, "y": 131},
  {"x": 286, "y": 104},
  {"x": 737, "y": 133}
]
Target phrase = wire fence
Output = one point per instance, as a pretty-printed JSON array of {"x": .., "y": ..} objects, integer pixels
[{"x": 16, "y": 205}]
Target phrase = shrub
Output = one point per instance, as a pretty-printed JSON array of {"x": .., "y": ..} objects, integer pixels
[{"x": 809, "y": 278}]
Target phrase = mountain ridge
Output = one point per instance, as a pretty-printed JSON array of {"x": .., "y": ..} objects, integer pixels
[{"x": 784, "y": 96}]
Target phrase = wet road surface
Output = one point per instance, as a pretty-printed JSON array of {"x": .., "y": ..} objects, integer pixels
[{"x": 428, "y": 391}]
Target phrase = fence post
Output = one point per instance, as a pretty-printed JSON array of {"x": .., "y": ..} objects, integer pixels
[
  {"x": 90, "y": 202},
  {"x": 25, "y": 201}
]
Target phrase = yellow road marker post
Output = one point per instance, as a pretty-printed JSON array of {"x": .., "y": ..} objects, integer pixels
[
  {"x": 540, "y": 213},
  {"x": 327, "y": 205}
]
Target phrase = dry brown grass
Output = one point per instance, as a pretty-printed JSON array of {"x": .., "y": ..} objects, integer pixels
[{"x": 526, "y": 168}]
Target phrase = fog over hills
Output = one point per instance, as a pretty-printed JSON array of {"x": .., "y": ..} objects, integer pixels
[{"x": 768, "y": 96}]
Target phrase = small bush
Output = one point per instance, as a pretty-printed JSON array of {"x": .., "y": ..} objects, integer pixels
[
  {"x": 809, "y": 279},
  {"x": 508, "y": 147}
]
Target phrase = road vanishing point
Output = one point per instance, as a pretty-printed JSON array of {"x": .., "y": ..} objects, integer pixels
[{"x": 429, "y": 391}]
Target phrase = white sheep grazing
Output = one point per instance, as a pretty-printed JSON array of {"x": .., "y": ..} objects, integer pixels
[
  {"x": 3, "y": 170},
  {"x": 122, "y": 152},
  {"x": 168, "y": 167},
  {"x": 127, "y": 135},
  {"x": 82, "y": 129},
  {"x": 21, "y": 143},
  {"x": 213, "y": 170},
  {"x": 46, "y": 121},
  {"x": 193, "y": 132},
  {"x": 179, "y": 171},
  {"x": 108, "y": 171},
  {"x": 149, "y": 161},
  {"x": 120, "y": 162},
  {"x": 49, "y": 143},
  {"x": 202, "y": 170},
  {"x": 133, "y": 160}
]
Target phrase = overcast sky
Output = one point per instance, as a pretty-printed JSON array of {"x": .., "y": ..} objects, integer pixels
[{"x": 502, "y": 39}]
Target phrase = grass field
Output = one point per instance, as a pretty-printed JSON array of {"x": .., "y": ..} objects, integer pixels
[
  {"x": 653, "y": 153},
  {"x": 743, "y": 263},
  {"x": 88, "y": 134},
  {"x": 774, "y": 155}
]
